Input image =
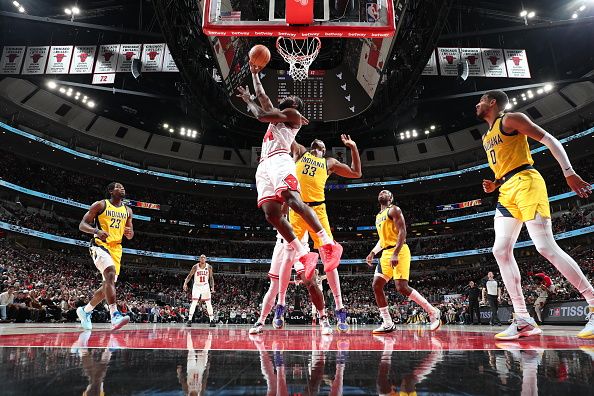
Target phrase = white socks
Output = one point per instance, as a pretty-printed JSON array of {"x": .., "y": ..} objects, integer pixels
[
  {"x": 298, "y": 247},
  {"x": 89, "y": 308},
  {"x": 385, "y": 314},
  {"x": 416, "y": 297},
  {"x": 112, "y": 309},
  {"x": 192, "y": 309},
  {"x": 209, "y": 310},
  {"x": 324, "y": 237},
  {"x": 334, "y": 283}
]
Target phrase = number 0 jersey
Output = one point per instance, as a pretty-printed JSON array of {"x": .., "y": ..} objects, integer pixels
[
  {"x": 506, "y": 151},
  {"x": 112, "y": 220},
  {"x": 312, "y": 173}
]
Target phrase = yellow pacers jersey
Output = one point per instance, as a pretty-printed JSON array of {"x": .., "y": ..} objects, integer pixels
[
  {"x": 388, "y": 234},
  {"x": 312, "y": 173},
  {"x": 505, "y": 150},
  {"x": 112, "y": 220}
]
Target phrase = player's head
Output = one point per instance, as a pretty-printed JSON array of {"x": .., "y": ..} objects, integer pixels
[
  {"x": 293, "y": 101},
  {"x": 116, "y": 190},
  {"x": 385, "y": 198},
  {"x": 490, "y": 275},
  {"x": 318, "y": 147},
  {"x": 492, "y": 102},
  {"x": 202, "y": 259}
]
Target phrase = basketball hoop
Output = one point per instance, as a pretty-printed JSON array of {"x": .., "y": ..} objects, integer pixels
[{"x": 299, "y": 54}]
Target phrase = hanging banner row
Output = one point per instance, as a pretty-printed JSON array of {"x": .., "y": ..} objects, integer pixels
[
  {"x": 85, "y": 59},
  {"x": 482, "y": 62}
]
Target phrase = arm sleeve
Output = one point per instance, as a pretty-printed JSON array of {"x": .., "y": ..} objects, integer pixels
[
  {"x": 377, "y": 248},
  {"x": 558, "y": 152}
]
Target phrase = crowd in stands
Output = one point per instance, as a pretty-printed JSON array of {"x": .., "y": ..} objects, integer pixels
[{"x": 46, "y": 285}]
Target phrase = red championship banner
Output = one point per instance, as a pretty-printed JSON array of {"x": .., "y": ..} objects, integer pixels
[
  {"x": 475, "y": 63},
  {"x": 107, "y": 58},
  {"x": 431, "y": 67},
  {"x": 59, "y": 59},
  {"x": 516, "y": 63},
  {"x": 12, "y": 59},
  {"x": 152, "y": 57},
  {"x": 128, "y": 52},
  {"x": 494, "y": 62},
  {"x": 168, "y": 62},
  {"x": 448, "y": 61},
  {"x": 35, "y": 60},
  {"x": 83, "y": 59}
]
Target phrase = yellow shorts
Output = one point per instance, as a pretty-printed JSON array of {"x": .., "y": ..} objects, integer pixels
[
  {"x": 401, "y": 271},
  {"x": 523, "y": 196},
  {"x": 300, "y": 227}
]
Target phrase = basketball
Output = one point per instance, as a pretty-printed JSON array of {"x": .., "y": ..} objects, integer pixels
[{"x": 259, "y": 55}]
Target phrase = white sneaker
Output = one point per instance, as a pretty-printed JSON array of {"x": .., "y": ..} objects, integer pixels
[
  {"x": 325, "y": 323},
  {"x": 118, "y": 320},
  {"x": 435, "y": 320},
  {"x": 384, "y": 329},
  {"x": 520, "y": 327},
  {"x": 257, "y": 328},
  {"x": 588, "y": 331},
  {"x": 85, "y": 318}
]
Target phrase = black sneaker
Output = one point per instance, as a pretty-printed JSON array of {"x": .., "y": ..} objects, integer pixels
[{"x": 212, "y": 323}]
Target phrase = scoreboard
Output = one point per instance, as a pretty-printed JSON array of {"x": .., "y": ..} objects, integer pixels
[{"x": 311, "y": 91}]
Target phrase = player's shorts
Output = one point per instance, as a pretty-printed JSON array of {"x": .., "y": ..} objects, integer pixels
[
  {"x": 275, "y": 175},
  {"x": 300, "y": 227},
  {"x": 104, "y": 257},
  {"x": 523, "y": 196},
  {"x": 385, "y": 270},
  {"x": 201, "y": 293}
]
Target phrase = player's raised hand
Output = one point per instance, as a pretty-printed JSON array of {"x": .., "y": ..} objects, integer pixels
[
  {"x": 579, "y": 186},
  {"x": 369, "y": 259},
  {"x": 304, "y": 121},
  {"x": 244, "y": 93},
  {"x": 348, "y": 142},
  {"x": 489, "y": 186}
]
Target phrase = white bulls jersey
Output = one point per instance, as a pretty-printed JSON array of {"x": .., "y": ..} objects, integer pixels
[
  {"x": 278, "y": 139},
  {"x": 201, "y": 275}
]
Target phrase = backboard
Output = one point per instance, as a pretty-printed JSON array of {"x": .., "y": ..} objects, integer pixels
[{"x": 299, "y": 18}]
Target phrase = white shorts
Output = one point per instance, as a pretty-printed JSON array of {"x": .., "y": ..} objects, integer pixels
[
  {"x": 201, "y": 293},
  {"x": 102, "y": 260},
  {"x": 275, "y": 175}
]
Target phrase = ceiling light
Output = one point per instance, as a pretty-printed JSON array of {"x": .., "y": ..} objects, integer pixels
[
  {"x": 523, "y": 13},
  {"x": 524, "y": 98},
  {"x": 183, "y": 132},
  {"x": 548, "y": 87},
  {"x": 582, "y": 8},
  {"x": 68, "y": 11},
  {"x": 432, "y": 127},
  {"x": 531, "y": 14},
  {"x": 21, "y": 9},
  {"x": 402, "y": 135},
  {"x": 91, "y": 104},
  {"x": 51, "y": 84},
  {"x": 165, "y": 125},
  {"x": 530, "y": 95},
  {"x": 62, "y": 90},
  {"x": 16, "y": 3},
  {"x": 414, "y": 133},
  {"x": 76, "y": 11},
  {"x": 539, "y": 91},
  {"x": 574, "y": 15},
  {"x": 508, "y": 106},
  {"x": 171, "y": 130},
  {"x": 183, "y": 129},
  {"x": 84, "y": 100},
  {"x": 426, "y": 131}
]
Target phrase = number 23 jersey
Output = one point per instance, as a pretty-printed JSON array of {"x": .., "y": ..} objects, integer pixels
[{"x": 113, "y": 221}]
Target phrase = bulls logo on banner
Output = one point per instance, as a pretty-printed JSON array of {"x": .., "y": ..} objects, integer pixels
[
  {"x": 152, "y": 57},
  {"x": 475, "y": 62},
  {"x": 448, "y": 61},
  {"x": 493, "y": 62},
  {"x": 517, "y": 63},
  {"x": 128, "y": 52},
  {"x": 12, "y": 60},
  {"x": 83, "y": 59},
  {"x": 59, "y": 59},
  {"x": 168, "y": 62},
  {"x": 107, "y": 58},
  {"x": 35, "y": 60}
]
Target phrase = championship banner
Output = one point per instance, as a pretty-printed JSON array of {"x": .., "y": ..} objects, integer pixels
[
  {"x": 168, "y": 62},
  {"x": 494, "y": 62},
  {"x": 460, "y": 205},
  {"x": 256, "y": 152},
  {"x": 128, "y": 52},
  {"x": 339, "y": 153},
  {"x": 448, "y": 61},
  {"x": 475, "y": 63},
  {"x": 59, "y": 59},
  {"x": 83, "y": 59},
  {"x": 107, "y": 58},
  {"x": 35, "y": 60},
  {"x": 516, "y": 63},
  {"x": 431, "y": 66},
  {"x": 152, "y": 57},
  {"x": 12, "y": 59}
]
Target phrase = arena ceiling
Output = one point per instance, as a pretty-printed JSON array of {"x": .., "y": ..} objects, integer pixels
[{"x": 557, "y": 51}]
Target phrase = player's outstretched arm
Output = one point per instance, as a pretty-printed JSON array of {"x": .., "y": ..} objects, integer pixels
[
  {"x": 129, "y": 228},
  {"x": 521, "y": 123},
  {"x": 376, "y": 249},
  {"x": 297, "y": 150},
  {"x": 350, "y": 172},
  {"x": 260, "y": 93},
  {"x": 192, "y": 272},
  {"x": 86, "y": 224}
]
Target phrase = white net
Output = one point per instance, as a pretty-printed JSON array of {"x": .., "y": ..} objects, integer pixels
[{"x": 299, "y": 54}]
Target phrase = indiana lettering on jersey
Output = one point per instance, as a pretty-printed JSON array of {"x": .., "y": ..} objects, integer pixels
[
  {"x": 113, "y": 213},
  {"x": 380, "y": 219},
  {"x": 492, "y": 142},
  {"x": 313, "y": 161}
]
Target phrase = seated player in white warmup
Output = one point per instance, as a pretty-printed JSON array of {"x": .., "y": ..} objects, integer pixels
[
  {"x": 202, "y": 289},
  {"x": 523, "y": 199}
]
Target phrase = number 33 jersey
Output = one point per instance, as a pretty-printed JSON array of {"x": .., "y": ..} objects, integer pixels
[
  {"x": 312, "y": 173},
  {"x": 113, "y": 221}
]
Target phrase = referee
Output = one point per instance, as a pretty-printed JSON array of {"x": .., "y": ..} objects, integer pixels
[{"x": 492, "y": 292}]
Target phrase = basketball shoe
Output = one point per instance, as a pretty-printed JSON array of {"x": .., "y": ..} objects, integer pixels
[
  {"x": 385, "y": 328},
  {"x": 279, "y": 316},
  {"x": 85, "y": 318},
  {"x": 520, "y": 327},
  {"x": 257, "y": 328},
  {"x": 326, "y": 328},
  {"x": 341, "y": 325},
  {"x": 588, "y": 331},
  {"x": 309, "y": 261},
  {"x": 435, "y": 320},
  {"x": 330, "y": 255},
  {"x": 118, "y": 320}
]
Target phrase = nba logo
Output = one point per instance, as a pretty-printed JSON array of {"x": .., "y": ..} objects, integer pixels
[{"x": 372, "y": 12}]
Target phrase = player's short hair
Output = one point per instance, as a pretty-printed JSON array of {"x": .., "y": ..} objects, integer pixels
[
  {"x": 315, "y": 143},
  {"x": 110, "y": 187},
  {"x": 500, "y": 98},
  {"x": 290, "y": 101}
]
